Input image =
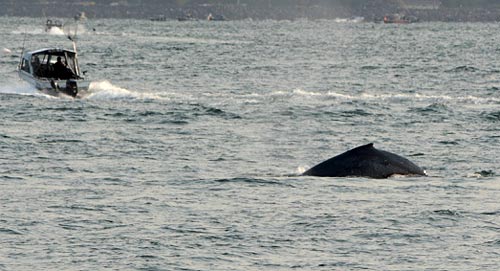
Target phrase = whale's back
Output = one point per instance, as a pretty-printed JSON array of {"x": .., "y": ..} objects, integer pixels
[{"x": 365, "y": 161}]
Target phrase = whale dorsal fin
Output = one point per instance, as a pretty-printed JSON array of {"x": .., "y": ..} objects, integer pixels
[
  {"x": 364, "y": 148},
  {"x": 367, "y": 146}
]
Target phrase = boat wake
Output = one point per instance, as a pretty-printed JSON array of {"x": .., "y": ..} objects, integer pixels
[
  {"x": 392, "y": 97},
  {"x": 349, "y": 20},
  {"x": 56, "y": 31},
  {"x": 104, "y": 90},
  {"x": 20, "y": 88},
  {"x": 100, "y": 90}
]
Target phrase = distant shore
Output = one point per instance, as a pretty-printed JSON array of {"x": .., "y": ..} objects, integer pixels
[{"x": 167, "y": 11}]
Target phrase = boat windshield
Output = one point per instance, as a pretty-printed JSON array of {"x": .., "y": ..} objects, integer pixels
[{"x": 61, "y": 65}]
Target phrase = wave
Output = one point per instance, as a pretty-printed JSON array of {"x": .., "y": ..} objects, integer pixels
[
  {"x": 483, "y": 174},
  {"x": 390, "y": 96},
  {"x": 434, "y": 108},
  {"x": 461, "y": 69},
  {"x": 446, "y": 212},
  {"x": 491, "y": 116},
  {"x": 253, "y": 181}
]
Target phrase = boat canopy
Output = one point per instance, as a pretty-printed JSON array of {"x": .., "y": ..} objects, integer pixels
[{"x": 42, "y": 63}]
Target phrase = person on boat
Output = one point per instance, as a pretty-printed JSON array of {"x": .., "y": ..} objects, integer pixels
[
  {"x": 60, "y": 69},
  {"x": 59, "y": 64},
  {"x": 36, "y": 65}
]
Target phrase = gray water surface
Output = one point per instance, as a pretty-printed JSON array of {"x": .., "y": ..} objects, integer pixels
[{"x": 188, "y": 151}]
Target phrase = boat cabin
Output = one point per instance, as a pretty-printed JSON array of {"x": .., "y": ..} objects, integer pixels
[{"x": 58, "y": 64}]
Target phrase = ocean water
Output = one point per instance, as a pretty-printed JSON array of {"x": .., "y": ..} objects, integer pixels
[{"x": 187, "y": 153}]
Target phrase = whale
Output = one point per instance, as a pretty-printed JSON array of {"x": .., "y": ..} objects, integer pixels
[{"x": 365, "y": 161}]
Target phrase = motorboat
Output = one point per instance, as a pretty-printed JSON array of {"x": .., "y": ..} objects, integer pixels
[
  {"x": 53, "y": 71},
  {"x": 216, "y": 17},
  {"x": 399, "y": 19},
  {"x": 186, "y": 17},
  {"x": 80, "y": 16},
  {"x": 49, "y": 24},
  {"x": 159, "y": 18}
]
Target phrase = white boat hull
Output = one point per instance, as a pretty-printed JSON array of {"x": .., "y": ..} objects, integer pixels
[{"x": 46, "y": 85}]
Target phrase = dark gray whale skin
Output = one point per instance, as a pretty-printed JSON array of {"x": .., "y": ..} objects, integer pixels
[{"x": 365, "y": 161}]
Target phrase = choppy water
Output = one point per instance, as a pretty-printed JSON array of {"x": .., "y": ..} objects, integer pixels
[{"x": 187, "y": 154}]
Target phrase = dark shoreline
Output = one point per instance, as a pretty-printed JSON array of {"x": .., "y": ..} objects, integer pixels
[{"x": 166, "y": 11}]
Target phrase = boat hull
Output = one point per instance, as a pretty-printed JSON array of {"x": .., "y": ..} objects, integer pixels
[{"x": 75, "y": 88}]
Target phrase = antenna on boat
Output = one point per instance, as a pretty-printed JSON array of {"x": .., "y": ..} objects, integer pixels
[
  {"x": 73, "y": 41},
  {"x": 22, "y": 49},
  {"x": 72, "y": 38}
]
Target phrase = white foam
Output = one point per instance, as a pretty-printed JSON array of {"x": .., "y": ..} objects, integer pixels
[
  {"x": 349, "y": 20},
  {"x": 393, "y": 96},
  {"x": 301, "y": 169},
  {"x": 104, "y": 90},
  {"x": 55, "y": 31},
  {"x": 20, "y": 88},
  {"x": 302, "y": 92},
  {"x": 101, "y": 90}
]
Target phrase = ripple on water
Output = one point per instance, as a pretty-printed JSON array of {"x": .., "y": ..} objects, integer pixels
[
  {"x": 493, "y": 117},
  {"x": 431, "y": 109},
  {"x": 253, "y": 181},
  {"x": 462, "y": 69},
  {"x": 10, "y": 231}
]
